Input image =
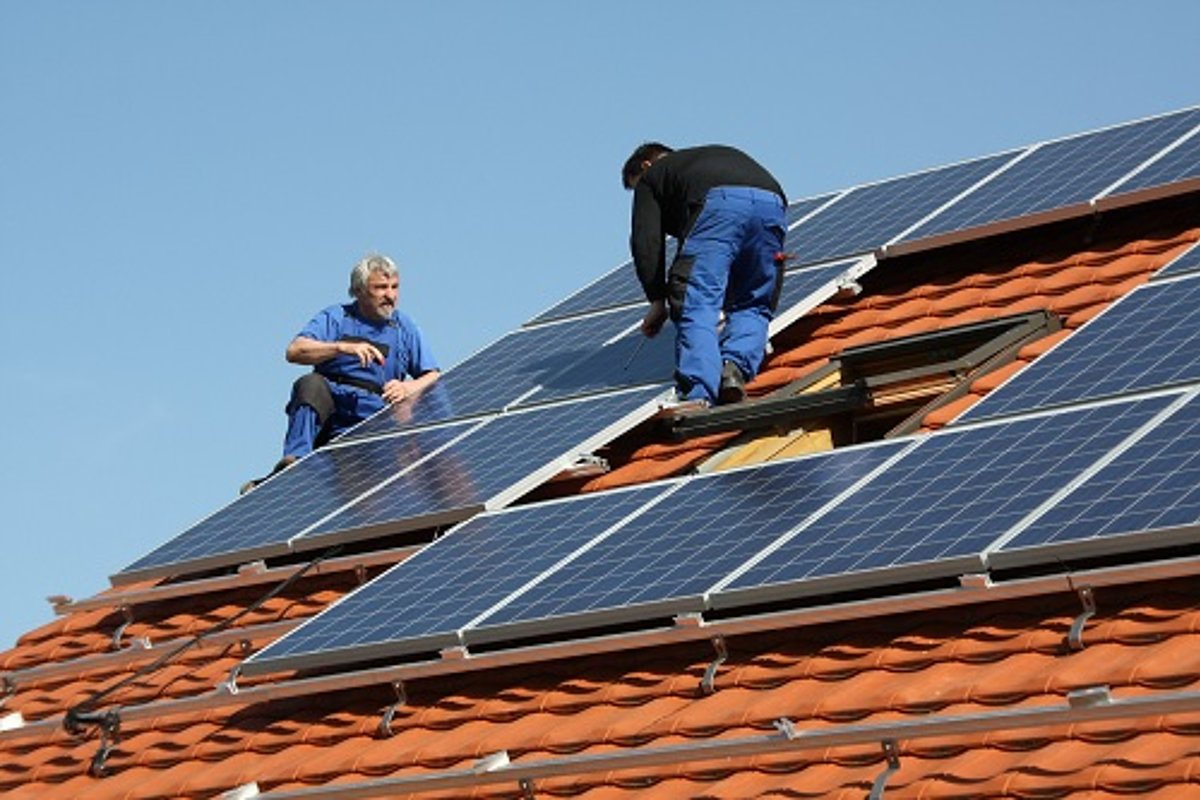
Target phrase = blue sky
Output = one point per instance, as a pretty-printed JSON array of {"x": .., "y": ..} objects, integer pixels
[{"x": 182, "y": 185}]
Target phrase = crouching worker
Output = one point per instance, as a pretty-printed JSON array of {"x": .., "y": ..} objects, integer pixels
[{"x": 365, "y": 355}]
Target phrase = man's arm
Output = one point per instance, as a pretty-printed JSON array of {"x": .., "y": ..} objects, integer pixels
[
  {"x": 309, "y": 352},
  {"x": 646, "y": 243}
]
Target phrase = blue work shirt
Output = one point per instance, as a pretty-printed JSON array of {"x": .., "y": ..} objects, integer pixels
[{"x": 398, "y": 336}]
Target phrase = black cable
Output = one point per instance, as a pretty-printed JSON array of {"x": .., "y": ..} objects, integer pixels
[{"x": 83, "y": 713}]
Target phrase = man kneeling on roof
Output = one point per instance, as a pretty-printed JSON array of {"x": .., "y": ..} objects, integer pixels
[
  {"x": 727, "y": 212},
  {"x": 365, "y": 355}
]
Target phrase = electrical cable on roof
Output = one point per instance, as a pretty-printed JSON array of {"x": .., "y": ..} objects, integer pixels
[{"x": 84, "y": 713}]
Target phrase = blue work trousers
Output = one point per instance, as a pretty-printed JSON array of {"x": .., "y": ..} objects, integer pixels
[
  {"x": 727, "y": 263},
  {"x": 313, "y": 420}
]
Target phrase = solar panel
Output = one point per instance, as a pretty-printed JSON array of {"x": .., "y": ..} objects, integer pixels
[
  {"x": 665, "y": 559},
  {"x": 1064, "y": 174},
  {"x": 509, "y": 454},
  {"x": 634, "y": 360},
  {"x": 870, "y": 216},
  {"x": 802, "y": 208},
  {"x": 933, "y": 511},
  {"x": 1188, "y": 261},
  {"x": 503, "y": 372},
  {"x": 259, "y": 524},
  {"x": 421, "y": 603},
  {"x": 619, "y": 287},
  {"x": 1180, "y": 165},
  {"x": 1147, "y": 497},
  {"x": 1148, "y": 339}
]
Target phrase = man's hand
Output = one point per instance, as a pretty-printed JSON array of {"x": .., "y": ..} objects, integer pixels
[
  {"x": 395, "y": 391},
  {"x": 655, "y": 318},
  {"x": 365, "y": 352}
]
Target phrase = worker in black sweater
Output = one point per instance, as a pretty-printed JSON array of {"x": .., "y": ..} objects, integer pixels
[{"x": 727, "y": 213}]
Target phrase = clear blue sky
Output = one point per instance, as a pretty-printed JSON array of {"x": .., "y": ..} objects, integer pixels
[{"x": 183, "y": 184}]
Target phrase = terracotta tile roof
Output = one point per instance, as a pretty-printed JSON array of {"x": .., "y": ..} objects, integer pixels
[{"x": 977, "y": 658}]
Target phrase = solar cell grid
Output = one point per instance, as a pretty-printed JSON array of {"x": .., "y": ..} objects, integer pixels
[
  {"x": 937, "y": 508},
  {"x": 1188, "y": 261},
  {"x": 617, "y": 288},
  {"x": 674, "y": 551},
  {"x": 1181, "y": 164},
  {"x": 1149, "y": 339},
  {"x": 870, "y": 216},
  {"x": 1061, "y": 174},
  {"x": 504, "y": 371},
  {"x": 514, "y": 448},
  {"x": 420, "y": 603},
  {"x": 288, "y": 503},
  {"x": 802, "y": 208},
  {"x": 1150, "y": 490}
]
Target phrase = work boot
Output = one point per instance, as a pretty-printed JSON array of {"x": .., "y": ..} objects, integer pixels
[
  {"x": 280, "y": 466},
  {"x": 733, "y": 384}
]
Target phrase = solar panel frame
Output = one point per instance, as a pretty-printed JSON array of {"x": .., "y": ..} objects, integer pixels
[
  {"x": 1144, "y": 495},
  {"x": 422, "y": 603},
  {"x": 1174, "y": 170},
  {"x": 664, "y": 560},
  {"x": 1149, "y": 339},
  {"x": 263, "y": 522},
  {"x": 630, "y": 359},
  {"x": 869, "y": 216},
  {"x": 1053, "y": 180},
  {"x": 934, "y": 511},
  {"x": 1185, "y": 262},
  {"x": 504, "y": 372}
]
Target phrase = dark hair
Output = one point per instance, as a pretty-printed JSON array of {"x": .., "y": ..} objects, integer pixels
[{"x": 633, "y": 165}]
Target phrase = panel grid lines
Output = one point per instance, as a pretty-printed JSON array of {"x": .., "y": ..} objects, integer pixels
[
  {"x": 1147, "y": 340},
  {"x": 951, "y": 496}
]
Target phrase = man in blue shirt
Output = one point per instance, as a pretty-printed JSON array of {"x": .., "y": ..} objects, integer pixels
[{"x": 365, "y": 355}]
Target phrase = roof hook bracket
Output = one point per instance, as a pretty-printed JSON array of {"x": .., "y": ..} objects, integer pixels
[
  {"x": 126, "y": 612},
  {"x": 385, "y": 723},
  {"x": 893, "y": 763},
  {"x": 1075, "y": 635},
  {"x": 8, "y": 687},
  {"x": 110, "y": 735},
  {"x": 229, "y": 685},
  {"x": 708, "y": 682},
  {"x": 785, "y": 727},
  {"x": 526, "y": 786}
]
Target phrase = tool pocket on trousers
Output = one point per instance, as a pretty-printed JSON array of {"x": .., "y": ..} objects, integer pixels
[{"x": 677, "y": 283}]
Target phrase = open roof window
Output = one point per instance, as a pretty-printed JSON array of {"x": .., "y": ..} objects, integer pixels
[{"x": 874, "y": 391}]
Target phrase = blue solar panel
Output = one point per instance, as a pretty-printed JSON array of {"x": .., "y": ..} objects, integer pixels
[
  {"x": 634, "y": 360},
  {"x": 666, "y": 558},
  {"x": 1147, "y": 340},
  {"x": 1147, "y": 497},
  {"x": 1061, "y": 174},
  {"x": 802, "y": 208},
  {"x": 1188, "y": 261},
  {"x": 934, "y": 511},
  {"x": 619, "y": 287},
  {"x": 507, "y": 451},
  {"x": 502, "y": 372},
  {"x": 261, "y": 522},
  {"x": 1180, "y": 164},
  {"x": 869, "y": 217},
  {"x": 421, "y": 603}
]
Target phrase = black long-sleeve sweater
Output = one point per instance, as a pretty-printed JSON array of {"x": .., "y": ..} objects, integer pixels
[{"x": 668, "y": 198}]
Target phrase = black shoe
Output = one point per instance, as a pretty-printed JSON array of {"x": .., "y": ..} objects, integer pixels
[
  {"x": 280, "y": 466},
  {"x": 733, "y": 384}
]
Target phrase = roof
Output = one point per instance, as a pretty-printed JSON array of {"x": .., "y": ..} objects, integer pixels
[{"x": 1022, "y": 674}]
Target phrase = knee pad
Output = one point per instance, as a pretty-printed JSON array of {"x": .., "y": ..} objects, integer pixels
[{"x": 312, "y": 390}]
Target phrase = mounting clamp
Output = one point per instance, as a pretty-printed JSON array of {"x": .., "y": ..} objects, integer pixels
[{"x": 893, "y": 763}]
